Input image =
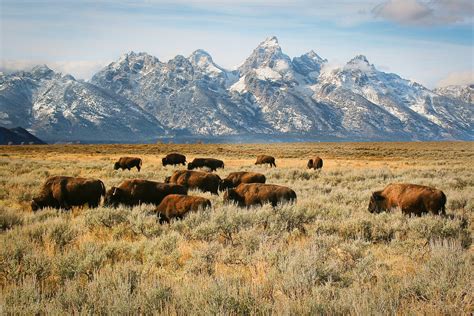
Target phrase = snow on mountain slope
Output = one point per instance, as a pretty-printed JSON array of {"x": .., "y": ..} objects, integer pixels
[
  {"x": 58, "y": 107},
  {"x": 140, "y": 97},
  {"x": 465, "y": 93}
]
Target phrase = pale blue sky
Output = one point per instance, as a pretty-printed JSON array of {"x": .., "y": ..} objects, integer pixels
[{"x": 429, "y": 41}]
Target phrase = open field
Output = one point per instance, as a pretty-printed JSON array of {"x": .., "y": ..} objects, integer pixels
[{"x": 324, "y": 255}]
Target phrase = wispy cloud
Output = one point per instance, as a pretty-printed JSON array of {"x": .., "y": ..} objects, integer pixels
[
  {"x": 81, "y": 69},
  {"x": 426, "y": 13},
  {"x": 457, "y": 78}
]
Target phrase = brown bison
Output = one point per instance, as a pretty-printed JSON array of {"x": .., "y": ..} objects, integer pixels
[
  {"x": 128, "y": 163},
  {"x": 174, "y": 159},
  {"x": 137, "y": 191},
  {"x": 410, "y": 198},
  {"x": 236, "y": 178},
  {"x": 177, "y": 205},
  {"x": 204, "y": 181},
  {"x": 210, "y": 163},
  {"x": 316, "y": 163},
  {"x": 65, "y": 192},
  {"x": 263, "y": 159},
  {"x": 247, "y": 194}
]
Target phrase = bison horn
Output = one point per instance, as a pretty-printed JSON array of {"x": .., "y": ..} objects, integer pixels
[{"x": 115, "y": 191}]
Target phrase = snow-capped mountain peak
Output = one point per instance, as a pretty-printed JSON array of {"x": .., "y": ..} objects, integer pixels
[{"x": 202, "y": 60}]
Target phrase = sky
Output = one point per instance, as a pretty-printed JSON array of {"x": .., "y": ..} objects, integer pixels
[{"x": 428, "y": 41}]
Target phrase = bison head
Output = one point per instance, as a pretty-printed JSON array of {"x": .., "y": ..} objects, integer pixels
[
  {"x": 232, "y": 196},
  {"x": 376, "y": 202},
  {"x": 190, "y": 166},
  {"x": 164, "y": 161},
  {"x": 116, "y": 166},
  {"x": 310, "y": 164},
  {"x": 35, "y": 204},
  {"x": 225, "y": 185},
  {"x": 167, "y": 179},
  {"x": 112, "y": 197}
]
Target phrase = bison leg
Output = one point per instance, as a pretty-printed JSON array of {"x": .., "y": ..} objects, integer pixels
[{"x": 138, "y": 168}]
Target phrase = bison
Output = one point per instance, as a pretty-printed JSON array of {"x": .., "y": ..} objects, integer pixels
[
  {"x": 410, "y": 198},
  {"x": 247, "y": 194},
  {"x": 204, "y": 181},
  {"x": 174, "y": 159},
  {"x": 316, "y": 163},
  {"x": 236, "y": 178},
  {"x": 65, "y": 192},
  {"x": 137, "y": 191},
  {"x": 177, "y": 205},
  {"x": 210, "y": 163},
  {"x": 263, "y": 159},
  {"x": 128, "y": 163}
]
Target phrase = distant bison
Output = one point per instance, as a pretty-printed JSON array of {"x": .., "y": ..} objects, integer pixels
[
  {"x": 263, "y": 159},
  {"x": 128, "y": 163},
  {"x": 236, "y": 178},
  {"x": 316, "y": 163},
  {"x": 247, "y": 194},
  {"x": 177, "y": 205},
  {"x": 410, "y": 198},
  {"x": 174, "y": 159},
  {"x": 204, "y": 181},
  {"x": 210, "y": 163},
  {"x": 137, "y": 191},
  {"x": 65, "y": 192}
]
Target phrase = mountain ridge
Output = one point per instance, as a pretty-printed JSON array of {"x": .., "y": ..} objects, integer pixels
[{"x": 140, "y": 98}]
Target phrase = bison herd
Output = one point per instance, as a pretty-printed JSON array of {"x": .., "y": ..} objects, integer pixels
[{"x": 242, "y": 188}]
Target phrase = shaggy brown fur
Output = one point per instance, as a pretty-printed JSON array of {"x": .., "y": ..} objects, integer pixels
[
  {"x": 177, "y": 206},
  {"x": 65, "y": 192},
  {"x": 137, "y": 191},
  {"x": 236, "y": 178},
  {"x": 174, "y": 159},
  {"x": 263, "y": 159},
  {"x": 247, "y": 194},
  {"x": 410, "y": 198},
  {"x": 210, "y": 163},
  {"x": 128, "y": 163},
  {"x": 316, "y": 163},
  {"x": 204, "y": 181}
]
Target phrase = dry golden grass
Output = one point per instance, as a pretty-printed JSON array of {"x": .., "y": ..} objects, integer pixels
[{"x": 324, "y": 255}]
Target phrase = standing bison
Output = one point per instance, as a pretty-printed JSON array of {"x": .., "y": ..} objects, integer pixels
[
  {"x": 65, "y": 192},
  {"x": 204, "y": 181},
  {"x": 210, "y": 163},
  {"x": 177, "y": 206},
  {"x": 128, "y": 163},
  {"x": 236, "y": 178},
  {"x": 316, "y": 163},
  {"x": 247, "y": 194},
  {"x": 135, "y": 192},
  {"x": 410, "y": 198},
  {"x": 264, "y": 159},
  {"x": 174, "y": 159}
]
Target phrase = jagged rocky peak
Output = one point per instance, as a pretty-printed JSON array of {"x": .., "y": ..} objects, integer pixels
[
  {"x": 267, "y": 54},
  {"x": 359, "y": 62},
  {"x": 135, "y": 62},
  {"x": 202, "y": 60},
  {"x": 309, "y": 63},
  {"x": 42, "y": 72}
]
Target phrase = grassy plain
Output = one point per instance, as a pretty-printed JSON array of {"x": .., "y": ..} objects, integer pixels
[{"x": 324, "y": 255}]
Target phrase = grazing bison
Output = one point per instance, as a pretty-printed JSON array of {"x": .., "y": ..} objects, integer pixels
[
  {"x": 410, "y": 198},
  {"x": 236, "y": 178},
  {"x": 316, "y": 163},
  {"x": 247, "y": 194},
  {"x": 65, "y": 192},
  {"x": 174, "y": 159},
  {"x": 177, "y": 205},
  {"x": 128, "y": 163},
  {"x": 210, "y": 163},
  {"x": 137, "y": 191},
  {"x": 204, "y": 181},
  {"x": 263, "y": 159}
]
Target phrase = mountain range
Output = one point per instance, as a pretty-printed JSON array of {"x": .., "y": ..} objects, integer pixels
[{"x": 270, "y": 97}]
